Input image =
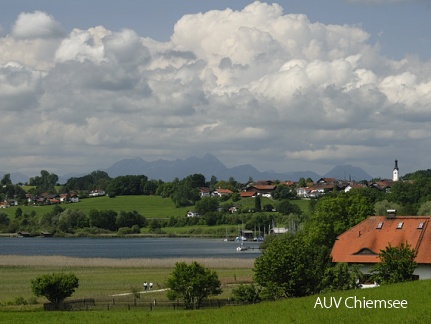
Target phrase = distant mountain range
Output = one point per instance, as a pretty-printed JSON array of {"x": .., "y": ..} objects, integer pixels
[{"x": 209, "y": 166}]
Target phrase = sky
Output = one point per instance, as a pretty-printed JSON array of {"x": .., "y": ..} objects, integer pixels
[{"x": 292, "y": 85}]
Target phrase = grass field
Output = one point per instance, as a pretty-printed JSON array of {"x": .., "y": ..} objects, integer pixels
[
  {"x": 103, "y": 278},
  {"x": 148, "y": 206}
]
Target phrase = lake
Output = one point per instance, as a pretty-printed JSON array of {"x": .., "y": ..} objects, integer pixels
[{"x": 127, "y": 247}]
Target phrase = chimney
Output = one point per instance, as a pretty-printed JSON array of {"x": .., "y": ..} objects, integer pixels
[{"x": 391, "y": 213}]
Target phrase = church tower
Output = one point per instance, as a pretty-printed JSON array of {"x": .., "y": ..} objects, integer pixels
[{"x": 395, "y": 173}]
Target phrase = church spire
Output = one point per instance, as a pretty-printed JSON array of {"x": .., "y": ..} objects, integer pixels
[{"x": 395, "y": 173}]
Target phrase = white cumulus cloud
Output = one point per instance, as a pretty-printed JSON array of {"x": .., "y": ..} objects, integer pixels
[
  {"x": 257, "y": 83},
  {"x": 37, "y": 24}
]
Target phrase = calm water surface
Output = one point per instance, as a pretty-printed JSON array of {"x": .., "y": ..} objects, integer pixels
[{"x": 126, "y": 247}]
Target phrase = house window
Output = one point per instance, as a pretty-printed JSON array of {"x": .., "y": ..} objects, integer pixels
[
  {"x": 379, "y": 225},
  {"x": 400, "y": 225},
  {"x": 421, "y": 225},
  {"x": 365, "y": 251}
]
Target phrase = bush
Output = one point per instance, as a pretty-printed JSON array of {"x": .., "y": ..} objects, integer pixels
[
  {"x": 55, "y": 287},
  {"x": 247, "y": 294}
]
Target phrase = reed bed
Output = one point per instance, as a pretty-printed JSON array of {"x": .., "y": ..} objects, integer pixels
[{"x": 63, "y": 261}]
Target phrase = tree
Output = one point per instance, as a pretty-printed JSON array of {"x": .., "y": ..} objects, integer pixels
[
  {"x": 129, "y": 219},
  {"x": 282, "y": 192},
  {"x": 206, "y": 205},
  {"x": 397, "y": 264},
  {"x": 192, "y": 283},
  {"x": 95, "y": 180},
  {"x": 286, "y": 207},
  {"x": 6, "y": 180},
  {"x": 425, "y": 209},
  {"x": 55, "y": 287},
  {"x": 335, "y": 213},
  {"x": 155, "y": 226},
  {"x": 45, "y": 182},
  {"x": 105, "y": 219},
  {"x": 341, "y": 277},
  {"x": 290, "y": 267},
  {"x": 380, "y": 207},
  {"x": 257, "y": 203},
  {"x": 70, "y": 219},
  {"x": 4, "y": 219},
  {"x": 302, "y": 182}
]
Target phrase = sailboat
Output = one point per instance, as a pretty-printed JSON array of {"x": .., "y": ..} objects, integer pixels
[
  {"x": 241, "y": 239},
  {"x": 241, "y": 247}
]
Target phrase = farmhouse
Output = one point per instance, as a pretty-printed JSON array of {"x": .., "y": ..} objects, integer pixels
[
  {"x": 222, "y": 192},
  {"x": 362, "y": 243},
  {"x": 261, "y": 189}
]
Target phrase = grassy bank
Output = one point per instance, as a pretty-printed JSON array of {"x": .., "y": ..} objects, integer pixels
[{"x": 295, "y": 310}]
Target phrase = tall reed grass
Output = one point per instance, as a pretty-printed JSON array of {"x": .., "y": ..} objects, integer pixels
[{"x": 64, "y": 261}]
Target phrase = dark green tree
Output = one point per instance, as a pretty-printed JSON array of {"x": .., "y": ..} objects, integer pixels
[
  {"x": 55, "y": 287},
  {"x": 95, "y": 180},
  {"x": 45, "y": 182},
  {"x": 71, "y": 219},
  {"x": 341, "y": 277},
  {"x": 397, "y": 264},
  {"x": 105, "y": 219},
  {"x": 286, "y": 207},
  {"x": 302, "y": 182},
  {"x": 290, "y": 267},
  {"x": 127, "y": 185},
  {"x": 257, "y": 203},
  {"x": 155, "y": 226},
  {"x": 192, "y": 283},
  {"x": 4, "y": 220},
  {"x": 206, "y": 205},
  {"x": 128, "y": 219},
  {"x": 185, "y": 194},
  {"x": 18, "y": 212},
  {"x": 335, "y": 213},
  {"x": 282, "y": 192},
  {"x": 6, "y": 180}
]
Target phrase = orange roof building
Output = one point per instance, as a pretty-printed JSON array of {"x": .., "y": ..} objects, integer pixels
[{"x": 362, "y": 243}]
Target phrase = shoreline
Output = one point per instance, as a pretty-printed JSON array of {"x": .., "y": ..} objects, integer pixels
[{"x": 64, "y": 261}]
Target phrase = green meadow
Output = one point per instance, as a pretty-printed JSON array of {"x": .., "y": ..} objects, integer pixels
[
  {"x": 148, "y": 206},
  {"x": 105, "y": 280}
]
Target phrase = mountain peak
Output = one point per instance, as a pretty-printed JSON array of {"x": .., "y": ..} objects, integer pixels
[
  {"x": 208, "y": 165},
  {"x": 348, "y": 172}
]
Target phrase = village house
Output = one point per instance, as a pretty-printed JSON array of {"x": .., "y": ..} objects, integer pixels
[
  {"x": 192, "y": 214},
  {"x": 247, "y": 194},
  {"x": 222, "y": 192},
  {"x": 204, "y": 192},
  {"x": 362, "y": 243}
]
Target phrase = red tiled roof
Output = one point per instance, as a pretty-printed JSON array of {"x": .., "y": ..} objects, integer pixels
[
  {"x": 247, "y": 193},
  {"x": 363, "y": 242},
  {"x": 224, "y": 191}
]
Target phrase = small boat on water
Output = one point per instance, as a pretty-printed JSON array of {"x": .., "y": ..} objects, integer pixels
[
  {"x": 242, "y": 247},
  {"x": 241, "y": 239}
]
